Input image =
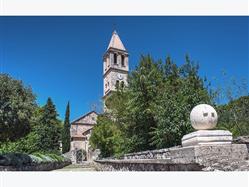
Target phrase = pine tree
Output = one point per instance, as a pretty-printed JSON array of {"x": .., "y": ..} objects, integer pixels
[
  {"x": 49, "y": 113},
  {"x": 66, "y": 131},
  {"x": 49, "y": 128}
]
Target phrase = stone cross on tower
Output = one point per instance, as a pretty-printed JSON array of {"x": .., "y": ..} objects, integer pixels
[{"x": 116, "y": 66}]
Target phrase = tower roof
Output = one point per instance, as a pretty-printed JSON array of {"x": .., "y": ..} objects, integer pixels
[{"x": 116, "y": 42}]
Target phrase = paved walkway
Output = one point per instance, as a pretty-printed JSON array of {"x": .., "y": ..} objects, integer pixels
[{"x": 78, "y": 167}]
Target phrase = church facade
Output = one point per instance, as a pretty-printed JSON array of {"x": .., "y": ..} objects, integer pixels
[{"x": 115, "y": 73}]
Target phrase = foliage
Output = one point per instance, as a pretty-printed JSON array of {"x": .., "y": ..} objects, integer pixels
[
  {"x": 21, "y": 159},
  {"x": 48, "y": 128},
  {"x": 234, "y": 116},
  {"x": 105, "y": 136},
  {"x": 153, "y": 111},
  {"x": 25, "y": 127},
  {"x": 232, "y": 100},
  {"x": 27, "y": 144},
  {"x": 15, "y": 159},
  {"x": 17, "y": 103},
  {"x": 42, "y": 137},
  {"x": 47, "y": 157},
  {"x": 66, "y": 131},
  {"x": 145, "y": 83},
  {"x": 182, "y": 89}
]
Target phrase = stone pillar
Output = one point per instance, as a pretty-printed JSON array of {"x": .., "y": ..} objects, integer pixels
[{"x": 203, "y": 118}]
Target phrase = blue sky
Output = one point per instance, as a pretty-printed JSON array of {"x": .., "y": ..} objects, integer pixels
[{"x": 61, "y": 57}]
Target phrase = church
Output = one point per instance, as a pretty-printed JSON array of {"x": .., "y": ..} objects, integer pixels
[{"x": 115, "y": 73}]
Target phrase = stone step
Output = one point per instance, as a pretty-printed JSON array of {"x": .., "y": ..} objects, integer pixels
[{"x": 77, "y": 167}]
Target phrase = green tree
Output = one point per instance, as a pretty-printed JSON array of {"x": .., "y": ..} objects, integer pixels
[
  {"x": 105, "y": 136},
  {"x": 17, "y": 103},
  {"x": 48, "y": 128},
  {"x": 145, "y": 82},
  {"x": 182, "y": 90},
  {"x": 232, "y": 101},
  {"x": 66, "y": 131},
  {"x": 153, "y": 111},
  {"x": 49, "y": 114},
  {"x": 234, "y": 116}
]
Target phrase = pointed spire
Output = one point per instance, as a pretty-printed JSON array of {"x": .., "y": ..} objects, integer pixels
[{"x": 116, "y": 42}]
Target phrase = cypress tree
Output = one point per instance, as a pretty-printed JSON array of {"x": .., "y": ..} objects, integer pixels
[{"x": 66, "y": 131}]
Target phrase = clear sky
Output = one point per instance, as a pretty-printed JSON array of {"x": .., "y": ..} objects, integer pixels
[{"x": 61, "y": 57}]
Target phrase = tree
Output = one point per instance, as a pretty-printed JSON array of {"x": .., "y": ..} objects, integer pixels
[
  {"x": 17, "y": 103},
  {"x": 153, "y": 111},
  {"x": 49, "y": 113},
  {"x": 49, "y": 128},
  {"x": 232, "y": 101},
  {"x": 234, "y": 116},
  {"x": 182, "y": 90},
  {"x": 145, "y": 83},
  {"x": 66, "y": 131},
  {"x": 105, "y": 136}
]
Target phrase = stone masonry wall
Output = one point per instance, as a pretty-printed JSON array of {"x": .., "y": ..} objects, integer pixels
[{"x": 233, "y": 157}]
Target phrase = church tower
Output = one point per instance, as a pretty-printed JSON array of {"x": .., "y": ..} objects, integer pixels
[{"x": 116, "y": 65}]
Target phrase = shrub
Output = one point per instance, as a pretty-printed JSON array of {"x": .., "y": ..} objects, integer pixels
[
  {"x": 27, "y": 144},
  {"x": 15, "y": 159},
  {"x": 20, "y": 159}
]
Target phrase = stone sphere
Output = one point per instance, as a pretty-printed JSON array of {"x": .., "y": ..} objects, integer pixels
[{"x": 203, "y": 117}]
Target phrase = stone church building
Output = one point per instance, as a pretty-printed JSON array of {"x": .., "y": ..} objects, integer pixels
[{"x": 115, "y": 73}]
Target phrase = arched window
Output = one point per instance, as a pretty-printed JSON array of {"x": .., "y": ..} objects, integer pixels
[
  {"x": 115, "y": 58},
  {"x": 108, "y": 62},
  {"x": 122, "y": 84},
  {"x": 117, "y": 84},
  {"x": 122, "y": 60},
  {"x": 105, "y": 65}
]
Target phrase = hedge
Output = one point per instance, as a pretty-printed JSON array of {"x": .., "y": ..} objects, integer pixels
[{"x": 21, "y": 159}]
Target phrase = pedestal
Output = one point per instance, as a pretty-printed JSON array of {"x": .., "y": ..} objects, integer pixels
[{"x": 207, "y": 137}]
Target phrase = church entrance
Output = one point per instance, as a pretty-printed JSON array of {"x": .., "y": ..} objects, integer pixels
[{"x": 80, "y": 156}]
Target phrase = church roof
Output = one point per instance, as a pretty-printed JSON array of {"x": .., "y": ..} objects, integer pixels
[
  {"x": 85, "y": 119},
  {"x": 116, "y": 42}
]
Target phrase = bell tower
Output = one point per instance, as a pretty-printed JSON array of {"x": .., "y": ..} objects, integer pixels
[{"x": 115, "y": 65}]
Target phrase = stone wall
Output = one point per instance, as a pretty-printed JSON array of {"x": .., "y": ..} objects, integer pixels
[
  {"x": 145, "y": 165},
  {"x": 242, "y": 140},
  {"x": 195, "y": 158}
]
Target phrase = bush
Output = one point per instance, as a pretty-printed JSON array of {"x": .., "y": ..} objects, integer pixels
[
  {"x": 48, "y": 157},
  {"x": 20, "y": 159},
  {"x": 15, "y": 159},
  {"x": 27, "y": 144}
]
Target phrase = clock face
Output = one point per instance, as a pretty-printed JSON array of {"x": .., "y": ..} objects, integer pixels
[{"x": 120, "y": 77}]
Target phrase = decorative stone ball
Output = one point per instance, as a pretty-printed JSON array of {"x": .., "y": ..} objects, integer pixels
[{"x": 203, "y": 117}]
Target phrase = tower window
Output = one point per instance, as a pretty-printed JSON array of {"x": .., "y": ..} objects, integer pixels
[
  {"x": 117, "y": 84},
  {"x": 105, "y": 65},
  {"x": 115, "y": 58},
  {"x": 123, "y": 60},
  {"x": 122, "y": 84}
]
